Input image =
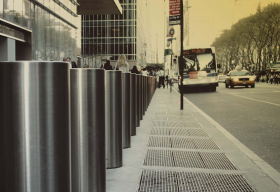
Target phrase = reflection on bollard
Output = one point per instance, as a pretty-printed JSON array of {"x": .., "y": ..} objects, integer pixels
[
  {"x": 137, "y": 100},
  {"x": 133, "y": 105},
  {"x": 141, "y": 97},
  {"x": 126, "y": 110},
  {"x": 88, "y": 130},
  {"x": 113, "y": 117},
  {"x": 35, "y": 126}
]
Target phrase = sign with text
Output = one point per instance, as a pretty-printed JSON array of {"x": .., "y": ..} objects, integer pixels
[{"x": 174, "y": 12}]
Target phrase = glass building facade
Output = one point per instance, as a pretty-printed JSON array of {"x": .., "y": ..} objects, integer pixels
[
  {"x": 43, "y": 29},
  {"x": 108, "y": 36}
]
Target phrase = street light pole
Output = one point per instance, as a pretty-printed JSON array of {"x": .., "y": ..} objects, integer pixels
[{"x": 181, "y": 66}]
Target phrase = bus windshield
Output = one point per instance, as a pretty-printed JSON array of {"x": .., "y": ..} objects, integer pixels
[{"x": 202, "y": 62}]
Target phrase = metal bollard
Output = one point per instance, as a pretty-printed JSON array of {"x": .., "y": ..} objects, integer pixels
[
  {"x": 113, "y": 117},
  {"x": 133, "y": 104},
  {"x": 137, "y": 100},
  {"x": 35, "y": 126},
  {"x": 144, "y": 94},
  {"x": 141, "y": 97},
  {"x": 126, "y": 110},
  {"x": 88, "y": 130}
]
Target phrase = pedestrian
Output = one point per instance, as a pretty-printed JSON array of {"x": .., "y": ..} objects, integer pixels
[
  {"x": 271, "y": 78},
  {"x": 161, "y": 78},
  {"x": 122, "y": 64},
  {"x": 144, "y": 72},
  {"x": 134, "y": 70},
  {"x": 107, "y": 65},
  {"x": 74, "y": 65}
]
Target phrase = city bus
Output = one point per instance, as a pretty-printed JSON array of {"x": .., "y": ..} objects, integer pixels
[{"x": 200, "y": 69}]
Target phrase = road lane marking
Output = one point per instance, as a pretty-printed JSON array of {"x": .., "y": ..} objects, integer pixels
[{"x": 256, "y": 100}]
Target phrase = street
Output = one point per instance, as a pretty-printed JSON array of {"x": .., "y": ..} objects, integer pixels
[{"x": 250, "y": 114}]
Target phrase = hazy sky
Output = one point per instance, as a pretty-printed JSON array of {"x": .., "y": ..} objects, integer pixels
[{"x": 207, "y": 20}]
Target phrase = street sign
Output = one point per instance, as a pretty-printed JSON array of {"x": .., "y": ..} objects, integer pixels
[
  {"x": 171, "y": 32},
  {"x": 175, "y": 20},
  {"x": 167, "y": 52},
  {"x": 170, "y": 39},
  {"x": 174, "y": 12}
]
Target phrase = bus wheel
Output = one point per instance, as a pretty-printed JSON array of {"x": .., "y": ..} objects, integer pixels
[
  {"x": 253, "y": 86},
  {"x": 231, "y": 86},
  {"x": 212, "y": 88}
]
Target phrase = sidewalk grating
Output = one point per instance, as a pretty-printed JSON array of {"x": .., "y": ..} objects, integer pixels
[
  {"x": 156, "y": 181},
  {"x": 179, "y": 132},
  {"x": 182, "y": 124},
  {"x": 188, "y": 159},
  {"x": 188, "y": 143},
  {"x": 159, "y": 142},
  {"x": 181, "y": 118},
  {"x": 171, "y": 181}
]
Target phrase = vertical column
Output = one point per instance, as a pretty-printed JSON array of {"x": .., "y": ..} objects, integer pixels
[
  {"x": 137, "y": 100},
  {"x": 35, "y": 126},
  {"x": 87, "y": 130},
  {"x": 133, "y": 104},
  {"x": 126, "y": 110},
  {"x": 141, "y": 97},
  {"x": 113, "y": 117}
]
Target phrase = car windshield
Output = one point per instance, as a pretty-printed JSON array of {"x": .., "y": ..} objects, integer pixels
[{"x": 240, "y": 73}]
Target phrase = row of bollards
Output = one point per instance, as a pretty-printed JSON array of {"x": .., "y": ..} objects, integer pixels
[{"x": 60, "y": 128}]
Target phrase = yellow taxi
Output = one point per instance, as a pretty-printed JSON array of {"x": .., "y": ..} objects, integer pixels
[{"x": 240, "y": 78}]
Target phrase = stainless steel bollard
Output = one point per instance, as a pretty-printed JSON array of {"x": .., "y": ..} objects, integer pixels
[
  {"x": 113, "y": 117},
  {"x": 137, "y": 100},
  {"x": 144, "y": 94},
  {"x": 133, "y": 104},
  {"x": 126, "y": 110},
  {"x": 141, "y": 97},
  {"x": 88, "y": 130},
  {"x": 35, "y": 126}
]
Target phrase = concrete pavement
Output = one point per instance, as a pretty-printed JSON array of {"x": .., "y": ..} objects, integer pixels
[{"x": 177, "y": 150}]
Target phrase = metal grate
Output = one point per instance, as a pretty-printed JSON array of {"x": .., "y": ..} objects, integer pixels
[
  {"x": 160, "y": 131},
  {"x": 159, "y": 123},
  {"x": 155, "y": 181},
  {"x": 188, "y": 143},
  {"x": 188, "y": 159},
  {"x": 181, "y": 118},
  {"x": 182, "y": 143},
  {"x": 159, "y": 142},
  {"x": 179, "y": 132},
  {"x": 205, "y": 144},
  {"x": 194, "y": 143},
  {"x": 217, "y": 161},
  {"x": 159, "y": 158},
  {"x": 231, "y": 182},
  {"x": 184, "y": 124},
  {"x": 198, "y": 182}
]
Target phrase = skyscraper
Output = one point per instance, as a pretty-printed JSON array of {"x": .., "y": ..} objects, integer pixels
[{"x": 108, "y": 36}]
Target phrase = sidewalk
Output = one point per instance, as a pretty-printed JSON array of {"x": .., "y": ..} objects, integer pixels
[{"x": 186, "y": 150}]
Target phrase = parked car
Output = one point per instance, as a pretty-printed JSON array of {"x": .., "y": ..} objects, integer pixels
[
  {"x": 240, "y": 78},
  {"x": 222, "y": 78}
]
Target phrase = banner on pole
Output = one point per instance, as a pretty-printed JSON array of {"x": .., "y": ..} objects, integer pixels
[{"x": 174, "y": 12}]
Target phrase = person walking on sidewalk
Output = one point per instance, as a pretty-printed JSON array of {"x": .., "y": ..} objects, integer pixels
[
  {"x": 122, "y": 64},
  {"x": 161, "y": 78},
  {"x": 134, "y": 70},
  {"x": 144, "y": 72}
]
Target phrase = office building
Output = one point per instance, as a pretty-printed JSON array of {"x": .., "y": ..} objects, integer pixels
[
  {"x": 44, "y": 29},
  {"x": 108, "y": 36}
]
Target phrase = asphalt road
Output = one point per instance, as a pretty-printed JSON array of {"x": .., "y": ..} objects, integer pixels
[{"x": 252, "y": 115}]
